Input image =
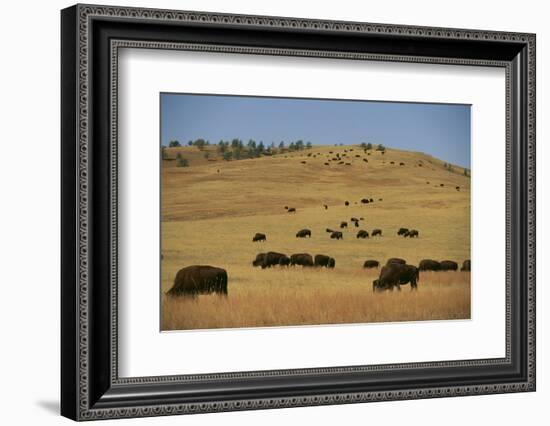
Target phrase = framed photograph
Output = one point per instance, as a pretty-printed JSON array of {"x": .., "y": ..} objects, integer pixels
[{"x": 263, "y": 212}]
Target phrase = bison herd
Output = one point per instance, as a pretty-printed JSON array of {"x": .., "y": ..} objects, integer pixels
[{"x": 270, "y": 259}]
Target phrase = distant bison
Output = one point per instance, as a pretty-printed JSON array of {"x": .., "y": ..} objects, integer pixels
[
  {"x": 364, "y": 201},
  {"x": 395, "y": 275},
  {"x": 325, "y": 206},
  {"x": 466, "y": 265},
  {"x": 346, "y": 203},
  {"x": 199, "y": 279},
  {"x": 259, "y": 237},
  {"x": 371, "y": 200},
  {"x": 356, "y": 224},
  {"x": 371, "y": 264},
  {"x": 326, "y": 164},
  {"x": 326, "y": 261},
  {"x": 269, "y": 259},
  {"x": 343, "y": 225},
  {"x": 292, "y": 210},
  {"x": 413, "y": 233},
  {"x": 303, "y": 162},
  {"x": 429, "y": 265},
  {"x": 337, "y": 235},
  {"x": 402, "y": 231},
  {"x": 330, "y": 231},
  {"x": 362, "y": 234},
  {"x": 302, "y": 259},
  {"x": 365, "y": 160},
  {"x": 448, "y": 265},
  {"x": 457, "y": 188},
  {"x": 354, "y": 219},
  {"x": 376, "y": 232},
  {"x": 396, "y": 260},
  {"x": 401, "y": 164},
  {"x": 303, "y": 233}
]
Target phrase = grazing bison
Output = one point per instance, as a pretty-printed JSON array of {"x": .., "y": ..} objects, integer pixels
[
  {"x": 371, "y": 264},
  {"x": 356, "y": 224},
  {"x": 292, "y": 210},
  {"x": 441, "y": 184},
  {"x": 364, "y": 200},
  {"x": 302, "y": 259},
  {"x": 259, "y": 237},
  {"x": 330, "y": 231},
  {"x": 326, "y": 261},
  {"x": 396, "y": 260},
  {"x": 354, "y": 219},
  {"x": 199, "y": 279},
  {"x": 365, "y": 160},
  {"x": 401, "y": 164},
  {"x": 392, "y": 162},
  {"x": 325, "y": 206},
  {"x": 466, "y": 265},
  {"x": 413, "y": 233},
  {"x": 395, "y": 275},
  {"x": 449, "y": 265},
  {"x": 302, "y": 233},
  {"x": 457, "y": 188},
  {"x": 343, "y": 225},
  {"x": 429, "y": 265},
  {"x": 362, "y": 234},
  {"x": 326, "y": 164},
  {"x": 402, "y": 231},
  {"x": 303, "y": 162},
  {"x": 347, "y": 203},
  {"x": 337, "y": 235},
  {"x": 269, "y": 259},
  {"x": 376, "y": 232},
  {"x": 371, "y": 200},
  {"x": 406, "y": 234}
]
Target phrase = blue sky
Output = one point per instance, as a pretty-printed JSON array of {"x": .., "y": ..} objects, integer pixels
[{"x": 442, "y": 130}]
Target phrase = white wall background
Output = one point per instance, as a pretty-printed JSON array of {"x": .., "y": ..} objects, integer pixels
[{"x": 29, "y": 225}]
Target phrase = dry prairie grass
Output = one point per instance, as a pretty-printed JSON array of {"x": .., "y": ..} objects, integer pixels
[
  {"x": 318, "y": 297},
  {"x": 209, "y": 217}
]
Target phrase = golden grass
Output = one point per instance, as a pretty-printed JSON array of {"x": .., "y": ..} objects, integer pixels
[
  {"x": 211, "y": 210},
  {"x": 312, "y": 297}
]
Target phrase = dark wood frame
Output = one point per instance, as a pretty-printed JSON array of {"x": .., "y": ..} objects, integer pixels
[{"x": 90, "y": 386}]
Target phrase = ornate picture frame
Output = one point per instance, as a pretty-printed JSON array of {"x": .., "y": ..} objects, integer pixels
[{"x": 90, "y": 38}]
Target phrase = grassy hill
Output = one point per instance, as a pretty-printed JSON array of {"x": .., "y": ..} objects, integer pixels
[{"x": 211, "y": 209}]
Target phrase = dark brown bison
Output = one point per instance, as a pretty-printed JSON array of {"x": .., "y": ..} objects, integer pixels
[
  {"x": 396, "y": 260},
  {"x": 371, "y": 200},
  {"x": 395, "y": 275},
  {"x": 376, "y": 232},
  {"x": 337, "y": 235},
  {"x": 402, "y": 231},
  {"x": 413, "y": 233},
  {"x": 356, "y": 224},
  {"x": 292, "y": 210},
  {"x": 466, "y": 265},
  {"x": 326, "y": 261},
  {"x": 302, "y": 259},
  {"x": 458, "y": 188},
  {"x": 343, "y": 225},
  {"x": 259, "y": 237},
  {"x": 303, "y": 162},
  {"x": 362, "y": 234},
  {"x": 325, "y": 206},
  {"x": 199, "y": 279},
  {"x": 449, "y": 265},
  {"x": 330, "y": 231},
  {"x": 365, "y": 160},
  {"x": 326, "y": 164},
  {"x": 429, "y": 265},
  {"x": 371, "y": 264},
  {"x": 401, "y": 164},
  {"x": 302, "y": 233},
  {"x": 406, "y": 233},
  {"x": 392, "y": 162},
  {"x": 354, "y": 219},
  {"x": 364, "y": 201},
  {"x": 346, "y": 203},
  {"x": 269, "y": 259}
]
